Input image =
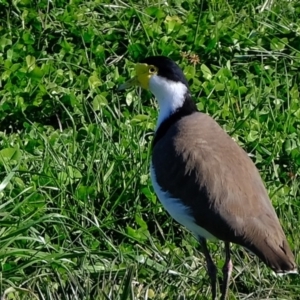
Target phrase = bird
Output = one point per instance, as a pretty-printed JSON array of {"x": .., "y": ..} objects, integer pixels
[{"x": 204, "y": 179}]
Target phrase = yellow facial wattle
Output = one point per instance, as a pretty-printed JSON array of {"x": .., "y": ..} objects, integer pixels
[{"x": 143, "y": 75}]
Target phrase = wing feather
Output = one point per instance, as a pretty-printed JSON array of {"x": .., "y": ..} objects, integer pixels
[{"x": 197, "y": 162}]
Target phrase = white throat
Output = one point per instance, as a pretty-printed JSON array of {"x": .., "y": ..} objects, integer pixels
[{"x": 170, "y": 95}]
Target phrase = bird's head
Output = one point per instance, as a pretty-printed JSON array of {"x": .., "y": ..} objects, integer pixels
[
  {"x": 159, "y": 74},
  {"x": 166, "y": 81}
]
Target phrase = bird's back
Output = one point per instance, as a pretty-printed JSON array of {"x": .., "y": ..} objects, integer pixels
[{"x": 222, "y": 188}]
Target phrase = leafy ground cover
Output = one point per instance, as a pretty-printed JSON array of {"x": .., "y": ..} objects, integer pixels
[{"x": 78, "y": 216}]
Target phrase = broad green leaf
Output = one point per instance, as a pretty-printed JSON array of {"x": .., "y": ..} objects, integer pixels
[
  {"x": 9, "y": 154},
  {"x": 206, "y": 72},
  {"x": 172, "y": 22},
  {"x": 94, "y": 81},
  {"x": 4, "y": 42},
  {"x": 99, "y": 101},
  {"x": 30, "y": 61}
]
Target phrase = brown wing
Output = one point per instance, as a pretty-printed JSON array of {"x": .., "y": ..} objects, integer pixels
[{"x": 221, "y": 185}]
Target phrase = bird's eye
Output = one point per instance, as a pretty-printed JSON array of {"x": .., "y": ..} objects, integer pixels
[{"x": 152, "y": 70}]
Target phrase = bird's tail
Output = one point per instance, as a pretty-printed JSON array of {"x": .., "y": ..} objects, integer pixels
[{"x": 278, "y": 256}]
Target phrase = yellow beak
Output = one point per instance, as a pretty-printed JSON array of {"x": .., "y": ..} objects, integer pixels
[{"x": 141, "y": 79}]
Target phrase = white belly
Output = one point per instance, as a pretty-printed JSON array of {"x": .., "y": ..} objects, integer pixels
[{"x": 177, "y": 210}]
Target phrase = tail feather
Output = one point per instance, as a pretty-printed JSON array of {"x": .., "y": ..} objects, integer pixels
[{"x": 278, "y": 257}]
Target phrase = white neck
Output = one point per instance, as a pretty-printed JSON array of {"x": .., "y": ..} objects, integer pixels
[{"x": 170, "y": 95}]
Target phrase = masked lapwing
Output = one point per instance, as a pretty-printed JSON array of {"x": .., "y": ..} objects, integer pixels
[{"x": 205, "y": 180}]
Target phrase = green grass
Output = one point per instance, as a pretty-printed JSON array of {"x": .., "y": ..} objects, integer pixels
[{"x": 78, "y": 216}]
